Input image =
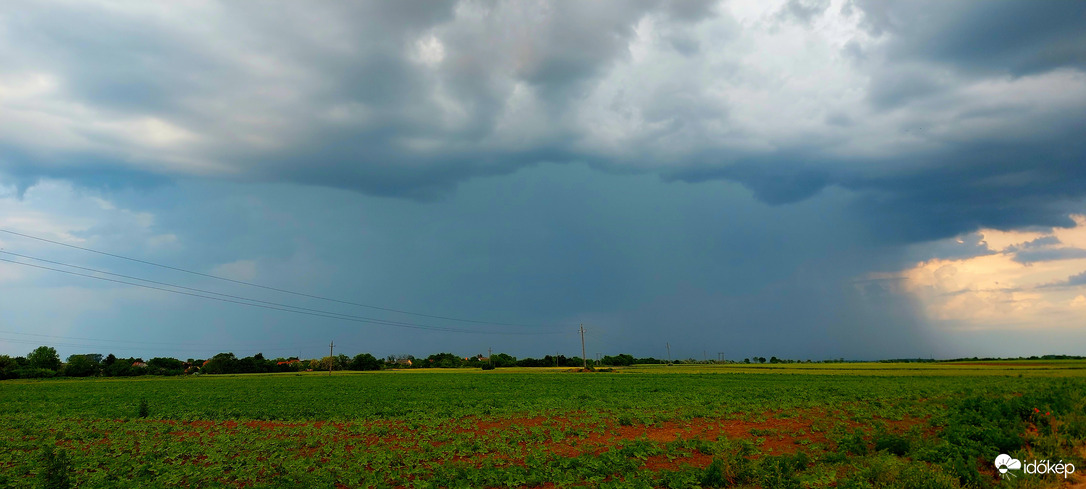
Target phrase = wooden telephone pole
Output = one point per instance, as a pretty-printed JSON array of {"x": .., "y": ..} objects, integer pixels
[
  {"x": 668, "y": 353},
  {"x": 331, "y": 359},
  {"x": 583, "y": 356}
]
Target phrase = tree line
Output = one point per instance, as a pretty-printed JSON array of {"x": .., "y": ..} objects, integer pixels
[{"x": 44, "y": 362}]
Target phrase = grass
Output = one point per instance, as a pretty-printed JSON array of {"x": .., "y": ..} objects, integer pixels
[{"x": 806, "y": 425}]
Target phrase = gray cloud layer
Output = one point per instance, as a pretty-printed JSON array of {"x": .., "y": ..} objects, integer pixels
[{"x": 969, "y": 115}]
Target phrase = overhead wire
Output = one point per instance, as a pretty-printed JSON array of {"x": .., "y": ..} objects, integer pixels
[
  {"x": 138, "y": 348},
  {"x": 319, "y": 311},
  {"x": 155, "y": 343},
  {"x": 275, "y": 306},
  {"x": 285, "y": 291}
]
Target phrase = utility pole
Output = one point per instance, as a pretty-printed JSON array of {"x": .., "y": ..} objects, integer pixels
[
  {"x": 331, "y": 359},
  {"x": 720, "y": 357},
  {"x": 584, "y": 357},
  {"x": 489, "y": 353},
  {"x": 668, "y": 353}
]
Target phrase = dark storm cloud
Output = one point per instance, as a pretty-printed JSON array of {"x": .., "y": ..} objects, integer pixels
[
  {"x": 1034, "y": 244},
  {"x": 931, "y": 50},
  {"x": 774, "y": 181},
  {"x": 411, "y": 99},
  {"x": 982, "y": 186},
  {"x": 92, "y": 170},
  {"x": 894, "y": 87},
  {"x": 803, "y": 10},
  {"x": 1040, "y": 249},
  {"x": 1027, "y": 257},
  {"x": 338, "y": 91},
  {"x": 1016, "y": 38}
]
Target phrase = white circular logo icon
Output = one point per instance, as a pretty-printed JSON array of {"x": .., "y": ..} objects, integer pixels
[{"x": 1004, "y": 463}]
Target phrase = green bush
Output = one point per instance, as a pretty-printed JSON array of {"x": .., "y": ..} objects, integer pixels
[
  {"x": 713, "y": 476},
  {"x": 780, "y": 471},
  {"x": 34, "y": 373},
  {"x": 893, "y": 444},
  {"x": 853, "y": 444},
  {"x": 726, "y": 472},
  {"x": 55, "y": 469}
]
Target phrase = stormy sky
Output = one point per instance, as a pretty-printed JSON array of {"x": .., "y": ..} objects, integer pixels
[{"x": 801, "y": 179}]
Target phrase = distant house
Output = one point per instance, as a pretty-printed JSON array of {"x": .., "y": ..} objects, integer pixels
[
  {"x": 289, "y": 362},
  {"x": 405, "y": 361},
  {"x": 139, "y": 364}
]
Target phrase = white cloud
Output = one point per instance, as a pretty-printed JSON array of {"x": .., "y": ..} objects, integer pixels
[
  {"x": 59, "y": 211},
  {"x": 996, "y": 290},
  {"x": 244, "y": 270}
]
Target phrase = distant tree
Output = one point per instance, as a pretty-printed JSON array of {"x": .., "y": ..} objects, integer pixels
[
  {"x": 503, "y": 360},
  {"x": 746, "y": 360},
  {"x": 95, "y": 358},
  {"x": 122, "y": 367},
  {"x": 622, "y": 360},
  {"x": 443, "y": 360},
  {"x": 327, "y": 363},
  {"x": 761, "y": 359},
  {"x": 774, "y": 360},
  {"x": 109, "y": 360},
  {"x": 253, "y": 365},
  {"x": 222, "y": 363},
  {"x": 81, "y": 366},
  {"x": 44, "y": 357},
  {"x": 364, "y": 361},
  {"x": 165, "y": 366},
  {"x": 7, "y": 367},
  {"x": 534, "y": 362}
]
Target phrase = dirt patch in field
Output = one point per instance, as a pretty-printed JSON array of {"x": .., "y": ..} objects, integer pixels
[{"x": 570, "y": 435}]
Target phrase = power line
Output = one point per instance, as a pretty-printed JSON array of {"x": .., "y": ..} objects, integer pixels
[
  {"x": 137, "y": 348},
  {"x": 241, "y": 282},
  {"x": 203, "y": 291},
  {"x": 151, "y": 343},
  {"x": 283, "y": 307}
]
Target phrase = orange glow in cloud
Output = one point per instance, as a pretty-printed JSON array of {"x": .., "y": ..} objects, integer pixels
[{"x": 1023, "y": 283}]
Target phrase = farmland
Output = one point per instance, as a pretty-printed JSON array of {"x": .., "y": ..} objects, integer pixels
[{"x": 801, "y": 425}]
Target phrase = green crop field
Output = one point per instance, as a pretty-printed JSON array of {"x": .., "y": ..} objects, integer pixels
[{"x": 801, "y": 425}]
